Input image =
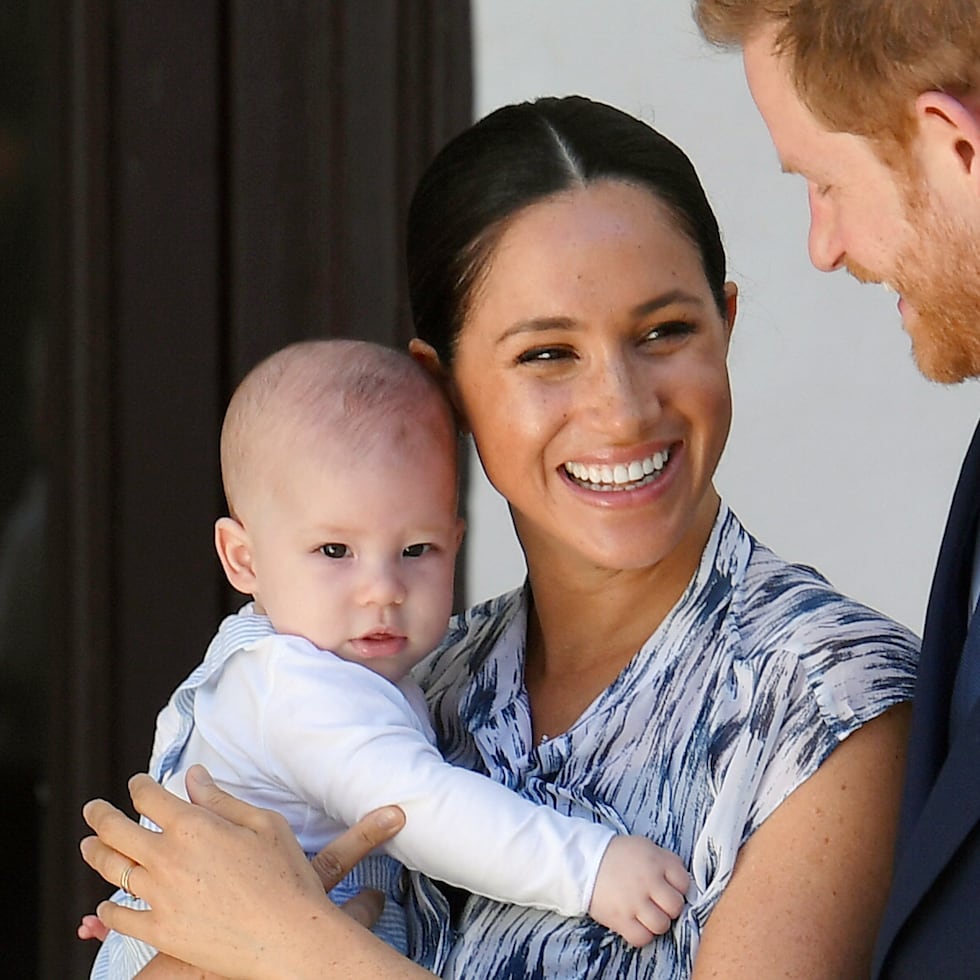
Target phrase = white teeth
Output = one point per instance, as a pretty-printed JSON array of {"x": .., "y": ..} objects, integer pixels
[{"x": 621, "y": 476}]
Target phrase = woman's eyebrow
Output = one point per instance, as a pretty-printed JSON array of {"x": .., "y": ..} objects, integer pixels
[
  {"x": 539, "y": 324},
  {"x": 667, "y": 299}
]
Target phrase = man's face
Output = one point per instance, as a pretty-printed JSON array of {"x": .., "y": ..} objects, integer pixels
[{"x": 878, "y": 223}]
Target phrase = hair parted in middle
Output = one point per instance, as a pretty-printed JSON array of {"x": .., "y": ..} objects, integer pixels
[{"x": 520, "y": 155}]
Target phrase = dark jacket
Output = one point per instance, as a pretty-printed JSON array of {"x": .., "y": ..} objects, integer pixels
[{"x": 931, "y": 926}]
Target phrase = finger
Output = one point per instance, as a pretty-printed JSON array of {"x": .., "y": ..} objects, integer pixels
[
  {"x": 133, "y": 922},
  {"x": 669, "y": 899},
  {"x": 365, "y": 907},
  {"x": 334, "y": 862},
  {"x": 653, "y": 918},
  {"x": 92, "y": 927},
  {"x": 637, "y": 934},
  {"x": 154, "y": 802},
  {"x": 678, "y": 876},
  {"x": 105, "y": 859},
  {"x": 202, "y": 790}
]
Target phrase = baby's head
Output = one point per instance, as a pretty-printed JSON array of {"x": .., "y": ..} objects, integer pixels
[{"x": 339, "y": 465}]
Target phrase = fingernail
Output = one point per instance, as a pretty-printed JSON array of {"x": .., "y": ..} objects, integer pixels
[
  {"x": 389, "y": 818},
  {"x": 200, "y": 775}
]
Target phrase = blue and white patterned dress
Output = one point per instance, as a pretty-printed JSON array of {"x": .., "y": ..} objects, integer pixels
[{"x": 751, "y": 681}]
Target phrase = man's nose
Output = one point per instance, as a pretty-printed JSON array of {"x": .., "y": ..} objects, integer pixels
[{"x": 824, "y": 242}]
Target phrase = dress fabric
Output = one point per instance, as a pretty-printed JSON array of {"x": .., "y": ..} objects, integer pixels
[{"x": 751, "y": 681}]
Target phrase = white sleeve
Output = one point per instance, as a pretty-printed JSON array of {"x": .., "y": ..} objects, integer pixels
[{"x": 348, "y": 741}]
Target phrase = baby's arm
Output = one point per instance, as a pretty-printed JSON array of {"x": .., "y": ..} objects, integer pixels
[{"x": 350, "y": 751}]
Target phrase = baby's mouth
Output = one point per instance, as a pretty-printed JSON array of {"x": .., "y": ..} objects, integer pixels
[{"x": 611, "y": 478}]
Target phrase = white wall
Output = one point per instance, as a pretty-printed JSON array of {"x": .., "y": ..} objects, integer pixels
[{"x": 841, "y": 454}]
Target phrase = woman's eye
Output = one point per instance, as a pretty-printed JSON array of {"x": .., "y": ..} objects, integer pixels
[
  {"x": 335, "y": 550},
  {"x": 673, "y": 330},
  {"x": 542, "y": 355},
  {"x": 416, "y": 550}
]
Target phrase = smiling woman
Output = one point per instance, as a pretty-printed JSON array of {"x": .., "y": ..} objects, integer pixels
[
  {"x": 661, "y": 672},
  {"x": 633, "y": 369}
]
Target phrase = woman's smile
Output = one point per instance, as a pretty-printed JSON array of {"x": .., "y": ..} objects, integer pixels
[{"x": 621, "y": 476}]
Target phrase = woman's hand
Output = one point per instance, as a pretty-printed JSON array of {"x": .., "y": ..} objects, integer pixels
[{"x": 230, "y": 889}]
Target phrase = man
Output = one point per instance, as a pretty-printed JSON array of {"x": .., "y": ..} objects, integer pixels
[{"x": 876, "y": 103}]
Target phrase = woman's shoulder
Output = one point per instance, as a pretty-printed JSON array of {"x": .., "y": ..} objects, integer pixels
[
  {"x": 793, "y": 603},
  {"x": 852, "y": 661}
]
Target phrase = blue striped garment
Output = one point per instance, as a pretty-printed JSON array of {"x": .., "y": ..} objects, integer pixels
[{"x": 751, "y": 681}]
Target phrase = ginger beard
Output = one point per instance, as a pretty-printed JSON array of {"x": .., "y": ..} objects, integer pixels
[{"x": 937, "y": 274}]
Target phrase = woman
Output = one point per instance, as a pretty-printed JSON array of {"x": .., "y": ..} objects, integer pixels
[{"x": 661, "y": 670}]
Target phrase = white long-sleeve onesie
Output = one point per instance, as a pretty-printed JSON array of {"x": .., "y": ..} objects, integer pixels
[{"x": 285, "y": 725}]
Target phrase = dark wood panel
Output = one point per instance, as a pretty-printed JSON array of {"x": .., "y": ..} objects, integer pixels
[{"x": 231, "y": 177}]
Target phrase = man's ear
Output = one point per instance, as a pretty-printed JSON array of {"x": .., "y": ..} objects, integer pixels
[
  {"x": 231, "y": 541},
  {"x": 425, "y": 354},
  {"x": 950, "y": 131}
]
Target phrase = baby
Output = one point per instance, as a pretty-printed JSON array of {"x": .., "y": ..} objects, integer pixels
[{"x": 339, "y": 467}]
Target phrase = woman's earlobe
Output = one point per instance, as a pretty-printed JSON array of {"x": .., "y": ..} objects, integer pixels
[
  {"x": 425, "y": 354},
  {"x": 731, "y": 305}
]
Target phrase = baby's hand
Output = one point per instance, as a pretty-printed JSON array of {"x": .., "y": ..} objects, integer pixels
[
  {"x": 92, "y": 927},
  {"x": 639, "y": 890}
]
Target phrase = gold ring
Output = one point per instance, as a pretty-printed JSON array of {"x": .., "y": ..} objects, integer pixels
[{"x": 124, "y": 881}]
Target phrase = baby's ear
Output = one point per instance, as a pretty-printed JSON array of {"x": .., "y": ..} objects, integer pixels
[{"x": 234, "y": 549}]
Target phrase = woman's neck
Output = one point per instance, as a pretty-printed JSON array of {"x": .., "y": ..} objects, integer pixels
[{"x": 585, "y": 624}]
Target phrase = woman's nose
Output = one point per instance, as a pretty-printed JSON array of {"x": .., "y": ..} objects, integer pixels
[{"x": 623, "y": 397}]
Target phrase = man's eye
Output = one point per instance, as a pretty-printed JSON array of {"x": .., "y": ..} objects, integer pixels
[
  {"x": 335, "y": 550},
  {"x": 416, "y": 550}
]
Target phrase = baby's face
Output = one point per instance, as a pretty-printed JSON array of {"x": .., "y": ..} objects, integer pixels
[{"x": 356, "y": 553}]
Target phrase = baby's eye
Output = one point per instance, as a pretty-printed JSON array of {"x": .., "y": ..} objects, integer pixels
[
  {"x": 335, "y": 550},
  {"x": 416, "y": 550}
]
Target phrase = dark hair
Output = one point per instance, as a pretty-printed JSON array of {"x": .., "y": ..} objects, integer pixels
[{"x": 515, "y": 157}]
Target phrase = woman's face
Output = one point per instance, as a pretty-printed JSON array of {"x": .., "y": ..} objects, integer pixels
[{"x": 591, "y": 370}]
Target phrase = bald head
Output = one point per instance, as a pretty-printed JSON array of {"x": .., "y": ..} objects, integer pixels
[{"x": 322, "y": 399}]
